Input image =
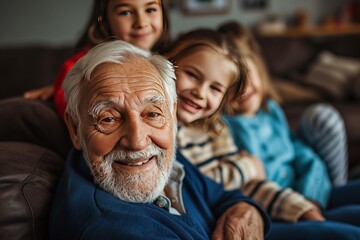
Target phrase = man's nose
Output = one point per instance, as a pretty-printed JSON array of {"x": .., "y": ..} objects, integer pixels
[{"x": 136, "y": 135}]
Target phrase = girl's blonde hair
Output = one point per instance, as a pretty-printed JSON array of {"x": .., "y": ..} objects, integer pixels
[
  {"x": 249, "y": 49},
  {"x": 191, "y": 42}
]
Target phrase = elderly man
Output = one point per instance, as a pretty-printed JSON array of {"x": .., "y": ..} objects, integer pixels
[{"x": 122, "y": 181}]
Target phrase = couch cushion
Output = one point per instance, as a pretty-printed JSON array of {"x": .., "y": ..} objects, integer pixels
[
  {"x": 336, "y": 76},
  {"x": 294, "y": 91},
  {"x": 28, "y": 176},
  {"x": 35, "y": 122}
]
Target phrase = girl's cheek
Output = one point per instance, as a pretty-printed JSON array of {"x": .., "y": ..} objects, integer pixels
[
  {"x": 215, "y": 102},
  {"x": 218, "y": 98},
  {"x": 182, "y": 83},
  {"x": 179, "y": 76}
]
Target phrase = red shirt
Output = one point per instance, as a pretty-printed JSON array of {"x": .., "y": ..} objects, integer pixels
[{"x": 59, "y": 99}]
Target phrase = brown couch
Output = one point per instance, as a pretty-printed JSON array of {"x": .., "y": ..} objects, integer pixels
[
  {"x": 27, "y": 186},
  {"x": 28, "y": 67}
]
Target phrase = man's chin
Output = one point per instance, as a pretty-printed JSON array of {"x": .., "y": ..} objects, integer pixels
[
  {"x": 136, "y": 184},
  {"x": 135, "y": 188},
  {"x": 134, "y": 197}
]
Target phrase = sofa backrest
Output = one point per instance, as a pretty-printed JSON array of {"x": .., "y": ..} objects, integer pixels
[
  {"x": 29, "y": 67},
  {"x": 288, "y": 55}
]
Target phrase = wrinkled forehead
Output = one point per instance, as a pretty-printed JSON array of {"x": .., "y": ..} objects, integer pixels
[{"x": 133, "y": 76}]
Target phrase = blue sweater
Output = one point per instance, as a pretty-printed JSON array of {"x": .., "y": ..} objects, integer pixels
[
  {"x": 82, "y": 210},
  {"x": 287, "y": 160}
]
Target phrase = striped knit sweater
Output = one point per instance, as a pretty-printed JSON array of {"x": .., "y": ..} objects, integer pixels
[{"x": 218, "y": 158}]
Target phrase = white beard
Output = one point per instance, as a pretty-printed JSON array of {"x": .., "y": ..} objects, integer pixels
[{"x": 137, "y": 188}]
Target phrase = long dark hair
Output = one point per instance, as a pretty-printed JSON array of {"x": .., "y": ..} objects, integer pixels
[{"x": 97, "y": 29}]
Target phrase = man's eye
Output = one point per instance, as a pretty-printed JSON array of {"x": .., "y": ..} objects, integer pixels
[
  {"x": 153, "y": 114},
  {"x": 108, "y": 124},
  {"x": 108, "y": 120}
]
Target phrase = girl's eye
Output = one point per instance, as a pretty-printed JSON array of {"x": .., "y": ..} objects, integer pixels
[
  {"x": 192, "y": 75},
  {"x": 151, "y": 10},
  {"x": 217, "y": 89},
  {"x": 124, "y": 13}
]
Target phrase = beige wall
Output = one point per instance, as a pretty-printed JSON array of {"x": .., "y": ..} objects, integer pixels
[{"x": 60, "y": 22}]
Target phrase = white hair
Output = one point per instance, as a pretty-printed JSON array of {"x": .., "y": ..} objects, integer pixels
[{"x": 113, "y": 52}]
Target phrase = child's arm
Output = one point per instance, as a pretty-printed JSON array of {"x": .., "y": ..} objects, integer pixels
[
  {"x": 313, "y": 180},
  {"x": 59, "y": 99},
  {"x": 43, "y": 93},
  {"x": 233, "y": 171},
  {"x": 281, "y": 204},
  {"x": 218, "y": 157}
]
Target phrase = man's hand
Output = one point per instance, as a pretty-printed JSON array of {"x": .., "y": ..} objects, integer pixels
[{"x": 241, "y": 221}]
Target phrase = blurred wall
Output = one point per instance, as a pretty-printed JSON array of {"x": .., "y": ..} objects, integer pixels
[{"x": 60, "y": 22}]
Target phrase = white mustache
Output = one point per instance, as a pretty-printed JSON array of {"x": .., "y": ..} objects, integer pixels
[{"x": 122, "y": 156}]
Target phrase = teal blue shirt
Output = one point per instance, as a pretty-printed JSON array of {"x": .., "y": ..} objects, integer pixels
[{"x": 287, "y": 160}]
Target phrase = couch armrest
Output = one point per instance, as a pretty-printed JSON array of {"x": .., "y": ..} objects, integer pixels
[
  {"x": 28, "y": 177},
  {"x": 350, "y": 111}
]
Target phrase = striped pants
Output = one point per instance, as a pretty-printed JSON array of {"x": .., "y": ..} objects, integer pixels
[{"x": 323, "y": 128}]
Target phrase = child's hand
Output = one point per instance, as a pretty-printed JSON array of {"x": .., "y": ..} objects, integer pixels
[
  {"x": 43, "y": 93},
  {"x": 313, "y": 215}
]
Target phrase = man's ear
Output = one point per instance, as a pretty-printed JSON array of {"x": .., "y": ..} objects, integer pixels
[{"x": 73, "y": 131}]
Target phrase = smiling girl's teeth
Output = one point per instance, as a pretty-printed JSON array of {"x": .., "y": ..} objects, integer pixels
[
  {"x": 192, "y": 104},
  {"x": 138, "y": 163}
]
